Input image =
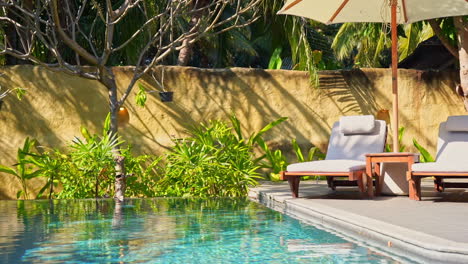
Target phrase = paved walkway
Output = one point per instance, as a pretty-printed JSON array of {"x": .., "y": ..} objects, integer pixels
[{"x": 434, "y": 230}]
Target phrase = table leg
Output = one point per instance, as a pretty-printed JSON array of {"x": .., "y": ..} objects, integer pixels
[
  {"x": 413, "y": 183},
  {"x": 379, "y": 179}
]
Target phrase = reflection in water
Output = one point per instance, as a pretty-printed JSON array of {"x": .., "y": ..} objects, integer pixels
[{"x": 166, "y": 231}]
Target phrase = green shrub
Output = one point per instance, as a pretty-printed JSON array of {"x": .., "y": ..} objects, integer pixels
[
  {"x": 212, "y": 162},
  {"x": 23, "y": 169},
  {"x": 146, "y": 170},
  {"x": 50, "y": 165}
]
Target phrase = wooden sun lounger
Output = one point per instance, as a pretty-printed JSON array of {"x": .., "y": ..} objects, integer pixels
[
  {"x": 414, "y": 179},
  {"x": 354, "y": 178},
  {"x": 451, "y": 160},
  {"x": 350, "y": 140}
]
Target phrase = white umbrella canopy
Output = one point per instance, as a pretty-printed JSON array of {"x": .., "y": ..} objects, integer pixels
[
  {"x": 378, "y": 11},
  {"x": 343, "y": 11}
]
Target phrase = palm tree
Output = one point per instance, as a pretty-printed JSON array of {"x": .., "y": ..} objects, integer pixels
[{"x": 366, "y": 42}]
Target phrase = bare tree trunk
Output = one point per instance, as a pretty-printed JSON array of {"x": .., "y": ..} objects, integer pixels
[
  {"x": 186, "y": 52},
  {"x": 462, "y": 28},
  {"x": 108, "y": 79}
]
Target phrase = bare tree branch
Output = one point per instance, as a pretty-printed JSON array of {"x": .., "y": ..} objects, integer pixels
[
  {"x": 75, "y": 34},
  {"x": 70, "y": 43}
]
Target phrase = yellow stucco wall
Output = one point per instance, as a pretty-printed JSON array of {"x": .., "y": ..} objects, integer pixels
[{"x": 57, "y": 104}]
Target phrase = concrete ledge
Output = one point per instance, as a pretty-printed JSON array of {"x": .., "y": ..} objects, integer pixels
[{"x": 374, "y": 233}]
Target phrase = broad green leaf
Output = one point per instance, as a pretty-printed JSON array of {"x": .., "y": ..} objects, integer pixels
[
  {"x": 141, "y": 97},
  {"x": 85, "y": 133},
  {"x": 20, "y": 92},
  {"x": 107, "y": 124},
  {"x": 8, "y": 170},
  {"x": 425, "y": 155},
  {"x": 275, "y": 59},
  {"x": 268, "y": 127},
  {"x": 237, "y": 127},
  {"x": 297, "y": 151}
]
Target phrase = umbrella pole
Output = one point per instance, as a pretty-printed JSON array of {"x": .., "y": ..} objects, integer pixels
[{"x": 394, "y": 76}]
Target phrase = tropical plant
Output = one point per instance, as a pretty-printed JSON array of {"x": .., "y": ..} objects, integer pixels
[
  {"x": 275, "y": 59},
  {"x": 414, "y": 34},
  {"x": 313, "y": 154},
  {"x": 216, "y": 160},
  {"x": 401, "y": 132},
  {"x": 212, "y": 162},
  {"x": 70, "y": 34},
  {"x": 23, "y": 171},
  {"x": 93, "y": 159},
  {"x": 274, "y": 160},
  {"x": 49, "y": 166},
  {"x": 425, "y": 155},
  {"x": 145, "y": 171},
  {"x": 366, "y": 42}
]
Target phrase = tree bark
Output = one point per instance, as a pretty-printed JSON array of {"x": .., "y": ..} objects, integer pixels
[
  {"x": 462, "y": 28},
  {"x": 185, "y": 54},
  {"x": 108, "y": 79}
]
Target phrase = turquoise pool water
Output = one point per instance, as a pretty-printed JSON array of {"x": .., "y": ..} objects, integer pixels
[{"x": 166, "y": 231}]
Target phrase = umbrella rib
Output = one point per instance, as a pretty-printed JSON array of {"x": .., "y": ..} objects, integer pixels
[
  {"x": 337, "y": 11},
  {"x": 291, "y": 5},
  {"x": 403, "y": 3}
]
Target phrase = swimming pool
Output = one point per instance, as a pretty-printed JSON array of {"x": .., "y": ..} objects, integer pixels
[{"x": 166, "y": 231}]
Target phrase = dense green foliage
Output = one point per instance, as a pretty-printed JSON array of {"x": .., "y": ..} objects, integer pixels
[
  {"x": 23, "y": 171},
  {"x": 425, "y": 156},
  {"x": 216, "y": 160},
  {"x": 212, "y": 162}
]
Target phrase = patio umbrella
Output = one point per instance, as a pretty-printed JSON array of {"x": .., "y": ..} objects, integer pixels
[{"x": 379, "y": 11}]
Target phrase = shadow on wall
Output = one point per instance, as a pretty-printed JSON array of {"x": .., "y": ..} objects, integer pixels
[
  {"x": 351, "y": 90},
  {"x": 56, "y": 104},
  {"x": 255, "y": 96}
]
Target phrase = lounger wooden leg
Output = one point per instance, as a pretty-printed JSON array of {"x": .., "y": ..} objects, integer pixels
[
  {"x": 294, "y": 185},
  {"x": 330, "y": 183},
  {"x": 360, "y": 183},
  {"x": 414, "y": 188},
  {"x": 370, "y": 185},
  {"x": 439, "y": 184}
]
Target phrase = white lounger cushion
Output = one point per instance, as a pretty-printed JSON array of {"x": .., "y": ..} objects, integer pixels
[
  {"x": 328, "y": 166},
  {"x": 355, "y": 147},
  {"x": 452, "y": 147},
  {"x": 346, "y": 152},
  {"x": 440, "y": 167},
  {"x": 352, "y": 125},
  {"x": 457, "y": 123}
]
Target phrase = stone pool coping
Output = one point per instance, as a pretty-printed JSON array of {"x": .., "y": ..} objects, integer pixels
[{"x": 343, "y": 211}]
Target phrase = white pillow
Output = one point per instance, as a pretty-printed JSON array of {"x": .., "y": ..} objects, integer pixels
[
  {"x": 350, "y": 125},
  {"x": 457, "y": 123}
]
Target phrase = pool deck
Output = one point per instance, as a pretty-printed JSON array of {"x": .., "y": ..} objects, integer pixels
[{"x": 434, "y": 230}]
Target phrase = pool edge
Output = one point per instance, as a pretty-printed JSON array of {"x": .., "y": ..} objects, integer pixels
[{"x": 375, "y": 233}]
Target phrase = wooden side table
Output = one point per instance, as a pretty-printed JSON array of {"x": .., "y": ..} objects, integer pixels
[{"x": 377, "y": 158}]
